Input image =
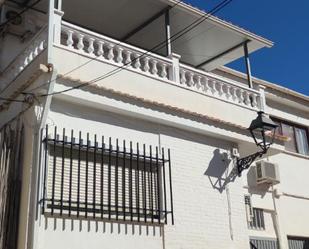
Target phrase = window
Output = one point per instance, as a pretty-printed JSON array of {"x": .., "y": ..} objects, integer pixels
[
  {"x": 264, "y": 243},
  {"x": 298, "y": 137},
  {"x": 255, "y": 216},
  {"x": 104, "y": 181},
  {"x": 257, "y": 221}
]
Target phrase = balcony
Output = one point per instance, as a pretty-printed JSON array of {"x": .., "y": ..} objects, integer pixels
[
  {"x": 32, "y": 50},
  {"x": 167, "y": 69}
]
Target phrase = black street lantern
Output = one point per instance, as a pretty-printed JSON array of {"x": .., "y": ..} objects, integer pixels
[{"x": 263, "y": 131}]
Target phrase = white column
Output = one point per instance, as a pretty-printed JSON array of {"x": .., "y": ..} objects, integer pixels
[
  {"x": 174, "y": 73},
  {"x": 57, "y": 25},
  {"x": 50, "y": 39},
  {"x": 262, "y": 102}
]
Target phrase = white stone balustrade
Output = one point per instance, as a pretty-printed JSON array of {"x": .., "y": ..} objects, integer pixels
[
  {"x": 219, "y": 87},
  {"x": 36, "y": 45},
  {"x": 126, "y": 56},
  {"x": 112, "y": 51}
]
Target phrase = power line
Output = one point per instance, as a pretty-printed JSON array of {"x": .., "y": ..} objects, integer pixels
[
  {"x": 74, "y": 69},
  {"x": 20, "y": 13},
  {"x": 11, "y": 100},
  {"x": 92, "y": 59},
  {"x": 172, "y": 38},
  {"x": 7, "y": 22}
]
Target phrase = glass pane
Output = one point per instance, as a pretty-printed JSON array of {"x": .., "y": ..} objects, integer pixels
[
  {"x": 302, "y": 141},
  {"x": 288, "y": 130},
  {"x": 278, "y": 130}
]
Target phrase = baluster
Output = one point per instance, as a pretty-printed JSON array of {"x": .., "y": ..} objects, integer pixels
[
  {"x": 191, "y": 81},
  {"x": 36, "y": 49},
  {"x": 41, "y": 45},
  {"x": 254, "y": 100},
  {"x": 127, "y": 61},
  {"x": 220, "y": 89},
  {"x": 154, "y": 69},
  {"x": 30, "y": 56},
  {"x": 119, "y": 58},
  {"x": 137, "y": 63},
  {"x": 199, "y": 82},
  {"x": 228, "y": 92},
  {"x": 205, "y": 84},
  {"x": 110, "y": 53},
  {"x": 100, "y": 51},
  {"x": 183, "y": 76},
  {"x": 69, "y": 41},
  {"x": 90, "y": 45},
  {"x": 241, "y": 96},
  {"x": 164, "y": 70},
  {"x": 247, "y": 98},
  {"x": 26, "y": 60},
  {"x": 213, "y": 86},
  {"x": 234, "y": 94},
  {"x": 146, "y": 64},
  {"x": 20, "y": 65},
  {"x": 80, "y": 44}
]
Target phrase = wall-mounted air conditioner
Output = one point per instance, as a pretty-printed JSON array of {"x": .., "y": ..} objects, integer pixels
[{"x": 267, "y": 172}]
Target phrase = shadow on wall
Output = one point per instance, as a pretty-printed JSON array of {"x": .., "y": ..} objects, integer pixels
[
  {"x": 101, "y": 226},
  {"x": 218, "y": 171},
  {"x": 254, "y": 188}
]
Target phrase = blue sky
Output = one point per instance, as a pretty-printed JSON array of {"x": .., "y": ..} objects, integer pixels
[{"x": 284, "y": 22}]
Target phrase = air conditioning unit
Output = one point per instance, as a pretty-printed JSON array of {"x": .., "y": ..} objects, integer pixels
[{"x": 267, "y": 172}]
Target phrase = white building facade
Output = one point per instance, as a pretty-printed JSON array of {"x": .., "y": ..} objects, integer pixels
[{"x": 120, "y": 131}]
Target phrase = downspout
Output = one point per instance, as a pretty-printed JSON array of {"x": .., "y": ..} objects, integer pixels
[{"x": 280, "y": 235}]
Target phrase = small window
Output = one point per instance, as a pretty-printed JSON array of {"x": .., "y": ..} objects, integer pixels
[
  {"x": 257, "y": 221},
  {"x": 298, "y": 137}
]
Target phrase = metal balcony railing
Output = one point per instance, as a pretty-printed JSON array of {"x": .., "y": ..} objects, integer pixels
[{"x": 96, "y": 179}]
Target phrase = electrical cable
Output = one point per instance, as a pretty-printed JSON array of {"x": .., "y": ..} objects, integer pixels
[
  {"x": 11, "y": 100},
  {"x": 20, "y": 13},
  {"x": 171, "y": 39},
  {"x": 23, "y": 11},
  {"x": 92, "y": 59}
]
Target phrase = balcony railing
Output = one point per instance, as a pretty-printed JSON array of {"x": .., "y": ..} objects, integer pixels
[
  {"x": 99, "y": 180},
  {"x": 111, "y": 51},
  {"x": 107, "y": 50},
  {"x": 114, "y": 52},
  {"x": 218, "y": 87},
  {"x": 35, "y": 47}
]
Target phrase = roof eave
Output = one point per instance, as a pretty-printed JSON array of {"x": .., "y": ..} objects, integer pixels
[{"x": 251, "y": 36}]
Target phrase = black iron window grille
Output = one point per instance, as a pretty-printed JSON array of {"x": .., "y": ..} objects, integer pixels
[{"x": 96, "y": 179}]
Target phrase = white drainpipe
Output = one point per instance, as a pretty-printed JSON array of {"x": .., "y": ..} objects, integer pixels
[{"x": 283, "y": 243}]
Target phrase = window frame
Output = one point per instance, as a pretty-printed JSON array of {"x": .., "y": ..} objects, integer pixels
[
  {"x": 294, "y": 125},
  {"x": 258, "y": 221},
  {"x": 62, "y": 154}
]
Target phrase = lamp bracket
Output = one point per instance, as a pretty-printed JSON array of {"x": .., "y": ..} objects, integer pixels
[{"x": 245, "y": 162}]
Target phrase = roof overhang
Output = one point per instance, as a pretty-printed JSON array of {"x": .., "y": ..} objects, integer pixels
[{"x": 212, "y": 43}]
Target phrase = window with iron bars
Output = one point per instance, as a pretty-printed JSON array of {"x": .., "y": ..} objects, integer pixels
[
  {"x": 96, "y": 179},
  {"x": 257, "y": 222},
  {"x": 255, "y": 216}
]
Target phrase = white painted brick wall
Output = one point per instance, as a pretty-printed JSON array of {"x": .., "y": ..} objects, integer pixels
[{"x": 202, "y": 218}]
